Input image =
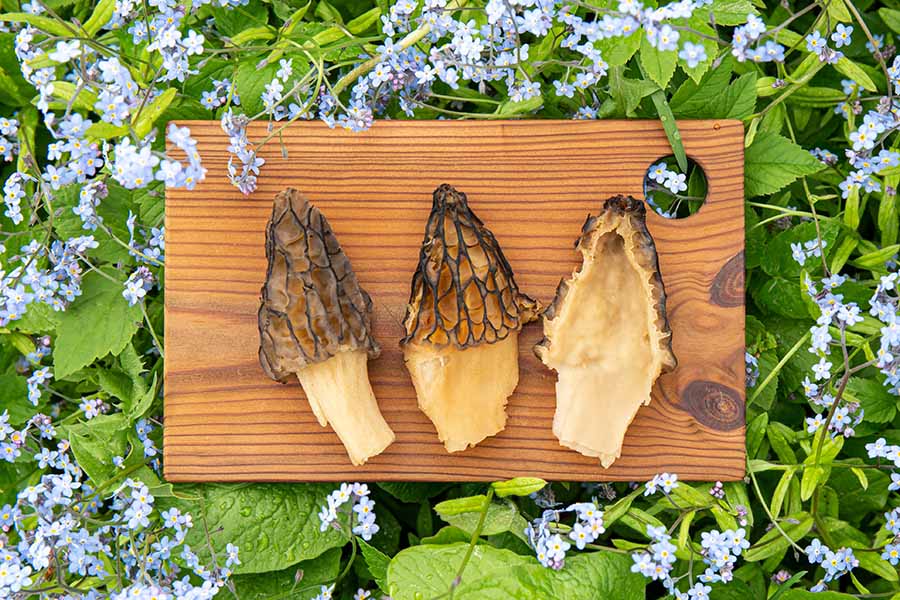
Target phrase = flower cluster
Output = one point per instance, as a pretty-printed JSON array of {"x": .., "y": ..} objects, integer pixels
[
  {"x": 547, "y": 536},
  {"x": 835, "y": 563},
  {"x": 63, "y": 524},
  {"x": 666, "y": 482},
  {"x": 235, "y": 127},
  {"x": 497, "y": 51},
  {"x": 9, "y": 146},
  {"x": 885, "y": 306},
  {"x": 839, "y": 315},
  {"x": 720, "y": 551},
  {"x": 51, "y": 276},
  {"x": 355, "y": 495},
  {"x": 800, "y": 252}
]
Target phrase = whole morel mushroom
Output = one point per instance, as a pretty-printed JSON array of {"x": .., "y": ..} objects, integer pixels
[
  {"x": 315, "y": 322},
  {"x": 462, "y": 325},
  {"x": 606, "y": 333}
]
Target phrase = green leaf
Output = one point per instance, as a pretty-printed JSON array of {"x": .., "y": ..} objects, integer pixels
[
  {"x": 46, "y": 24},
  {"x": 779, "y": 296},
  {"x": 97, "y": 323},
  {"x": 618, "y": 51},
  {"x": 100, "y": 16},
  {"x": 313, "y": 573},
  {"x": 14, "y": 392},
  {"x": 780, "y": 492},
  {"x": 96, "y": 442},
  {"x": 852, "y": 70},
  {"x": 407, "y": 491},
  {"x": 715, "y": 98},
  {"x": 880, "y": 405},
  {"x": 772, "y": 162},
  {"x": 732, "y": 12},
  {"x": 250, "y": 83},
  {"x": 798, "y": 594},
  {"x": 327, "y": 13},
  {"x": 891, "y": 18},
  {"x": 495, "y": 574},
  {"x": 520, "y": 486},
  {"x": 274, "y": 525},
  {"x": 778, "y": 260},
  {"x": 659, "y": 65},
  {"x": 377, "y": 563},
  {"x": 773, "y": 542},
  {"x": 466, "y": 512},
  {"x": 147, "y": 117}
]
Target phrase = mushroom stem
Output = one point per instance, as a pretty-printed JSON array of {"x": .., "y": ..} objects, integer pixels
[
  {"x": 340, "y": 394},
  {"x": 464, "y": 392}
]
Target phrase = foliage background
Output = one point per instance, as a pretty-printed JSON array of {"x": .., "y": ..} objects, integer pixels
[{"x": 467, "y": 541}]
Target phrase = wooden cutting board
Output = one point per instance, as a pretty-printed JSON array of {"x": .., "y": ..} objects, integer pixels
[{"x": 532, "y": 183}]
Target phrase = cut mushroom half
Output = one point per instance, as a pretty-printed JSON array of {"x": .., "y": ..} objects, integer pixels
[
  {"x": 315, "y": 322},
  {"x": 606, "y": 333},
  {"x": 462, "y": 325}
]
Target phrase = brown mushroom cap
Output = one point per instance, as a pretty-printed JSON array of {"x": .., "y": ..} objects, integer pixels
[
  {"x": 312, "y": 304},
  {"x": 463, "y": 291}
]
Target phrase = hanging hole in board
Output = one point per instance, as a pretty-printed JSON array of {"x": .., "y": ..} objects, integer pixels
[{"x": 673, "y": 193}]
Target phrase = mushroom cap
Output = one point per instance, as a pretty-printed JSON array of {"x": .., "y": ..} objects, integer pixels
[
  {"x": 312, "y": 304},
  {"x": 627, "y": 217},
  {"x": 463, "y": 292}
]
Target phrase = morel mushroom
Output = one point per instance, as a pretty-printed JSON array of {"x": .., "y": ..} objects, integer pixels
[
  {"x": 315, "y": 322},
  {"x": 462, "y": 325},
  {"x": 606, "y": 333}
]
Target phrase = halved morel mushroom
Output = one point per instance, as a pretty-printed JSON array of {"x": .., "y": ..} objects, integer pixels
[
  {"x": 315, "y": 322},
  {"x": 462, "y": 325},
  {"x": 606, "y": 333}
]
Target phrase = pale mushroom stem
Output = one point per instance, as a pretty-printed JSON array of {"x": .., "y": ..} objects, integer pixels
[
  {"x": 340, "y": 394},
  {"x": 464, "y": 392}
]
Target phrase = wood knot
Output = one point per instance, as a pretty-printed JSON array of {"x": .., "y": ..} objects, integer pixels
[
  {"x": 715, "y": 405},
  {"x": 727, "y": 288}
]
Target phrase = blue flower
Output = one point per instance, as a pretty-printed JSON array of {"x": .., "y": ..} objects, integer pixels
[
  {"x": 841, "y": 36},
  {"x": 693, "y": 54}
]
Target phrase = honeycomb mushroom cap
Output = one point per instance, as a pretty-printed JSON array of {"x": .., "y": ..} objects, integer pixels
[
  {"x": 463, "y": 292},
  {"x": 312, "y": 304}
]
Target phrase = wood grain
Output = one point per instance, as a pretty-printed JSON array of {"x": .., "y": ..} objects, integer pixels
[{"x": 532, "y": 183}]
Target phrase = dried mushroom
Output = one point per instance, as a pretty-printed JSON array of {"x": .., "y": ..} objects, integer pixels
[
  {"x": 315, "y": 322},
  {"x": 462, "y": 325},
  {"x": 606, "y": 333}
]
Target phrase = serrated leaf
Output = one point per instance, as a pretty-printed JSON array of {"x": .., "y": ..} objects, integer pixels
[
  {"x": 618, "y": 51},
  {"x": 274, "y": 525},
  {"x": 715, "y": 98},
  {"x": 880, "y": 405},
  {"x": 732, "y": 12},
  {"x": 377, "y": 563},
  {"x": 659, "y": 65},
  {"x": 96, "y": 442},
  {"x": 495, "y": 574},
  {"x": 773, "y": 162},
  {"x": 98, "y": 322},
  {"x": 778, "y": 260}
]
